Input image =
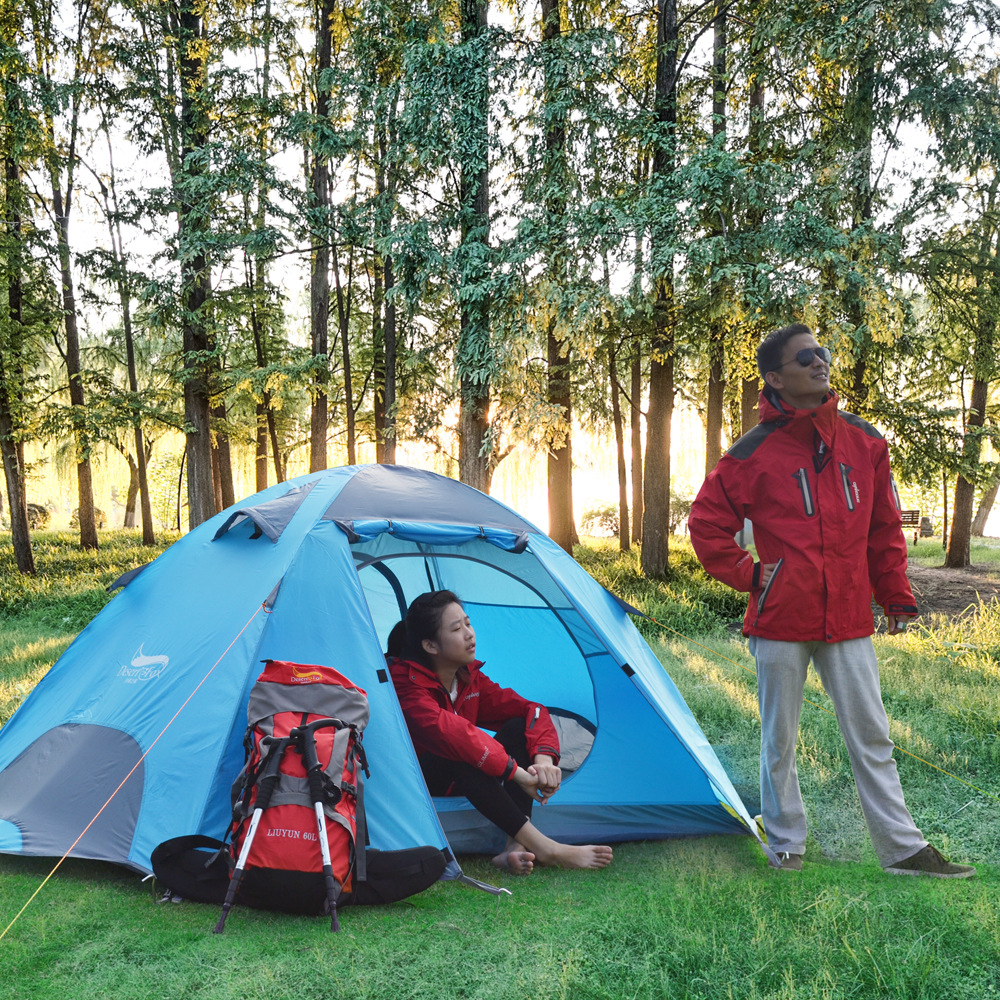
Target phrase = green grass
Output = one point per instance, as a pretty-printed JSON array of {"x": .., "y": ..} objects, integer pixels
[{"x": 690, "y": 918}]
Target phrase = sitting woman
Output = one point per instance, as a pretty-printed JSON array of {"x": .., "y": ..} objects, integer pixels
[{"x": 445, "y": 697}]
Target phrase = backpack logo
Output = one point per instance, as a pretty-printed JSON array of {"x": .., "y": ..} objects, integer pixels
[
  {"x": 300, "y": 676},
  {"x": 143, "y": 667}
]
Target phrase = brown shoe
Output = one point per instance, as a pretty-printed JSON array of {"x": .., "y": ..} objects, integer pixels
[
  {"x": 929, "y": 861},
  {"x": 790, "y": 862}
]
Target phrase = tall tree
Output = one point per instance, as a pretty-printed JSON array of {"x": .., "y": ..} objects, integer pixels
[
  {"x": 976, "y": 259},
  {"x": 193, "y": 213},
  {"x": 474, "y": 359},
  {"x": 319, "y": 283},
  {"x": 562, "y": 526},
  {"x": 13, "y": 69},
  {"x": 61, "y": 161},
  {"x": 120, "y": 278},
  {"x": 656, "y": 474},
  {"x": 718, "y": 293}
]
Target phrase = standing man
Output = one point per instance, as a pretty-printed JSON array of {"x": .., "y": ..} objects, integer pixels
[{"x": 815, "y": 483}]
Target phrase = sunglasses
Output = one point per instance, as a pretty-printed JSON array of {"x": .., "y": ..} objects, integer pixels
[{"x": 806, "y": 355}]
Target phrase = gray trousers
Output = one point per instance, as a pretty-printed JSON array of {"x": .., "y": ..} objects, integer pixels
[{"x": 849, "y": 672}]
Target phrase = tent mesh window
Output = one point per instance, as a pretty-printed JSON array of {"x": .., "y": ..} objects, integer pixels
[{"x": 528, "y": 634}]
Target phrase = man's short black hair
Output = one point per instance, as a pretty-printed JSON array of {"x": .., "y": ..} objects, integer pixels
[{"x": 773, "y": 346}]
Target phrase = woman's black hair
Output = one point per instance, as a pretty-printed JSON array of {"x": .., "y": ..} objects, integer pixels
[
  {"x": 396, "y": 643},
  {"x": 423, "y": 621}
]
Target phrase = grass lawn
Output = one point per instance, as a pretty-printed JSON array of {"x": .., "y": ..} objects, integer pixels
[{"x": 699, "y": 918}]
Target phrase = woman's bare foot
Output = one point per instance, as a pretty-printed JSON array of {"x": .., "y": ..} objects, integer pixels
[
  {"x": 516, "y": 861},
  {"x": 585, "y": 856}
]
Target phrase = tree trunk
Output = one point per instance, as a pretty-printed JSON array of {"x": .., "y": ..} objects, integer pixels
[
  {"x": 562, "y": 526},
  {"x": 128, "y": 521},
  {"x": 985, "y": 297},
  {"x": 749, "y": 402},
  {"x": 958, "y": 555},
  {"x": 263, "y": 413},
  {"x": 475, "y": 349},
  {"x": 344, "y": 305},
  {"x": 715, "y": 407},
  {"x": 319, "y": 284},
  {"x": 635, "y": 440},
  {"x": 195, "y": 274},
  {"x": 222, "y": 456},
  {"x": 656, "y": 492},
  {"x": 944, "y": 511},
  {"x": 861, "y": 118},
  {"x": 264, "y": 425},
  {"x": 642, "y": 165},
  {"x": 142, "y": 479},
  {"x": 256, "y": 271},
  {"x": 985, "y": 508},
  {"x": 616, "y": 415},
  {"x": 260, "y": 448},
  {"x": 138, "y": 476},
  {"x": 378, "y": 355},
  {"x": 759, "y": 149},
  {"x": 78, "y": 404},
  {"x": 13, "y": 476},
  {"x": 389, "y": 336},
  {"x": 11, "y": 373}
]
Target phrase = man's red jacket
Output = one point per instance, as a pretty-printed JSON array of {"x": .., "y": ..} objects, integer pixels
[
  {"x": 452, "y": 730},
  {"x": 816, "y": 485}
]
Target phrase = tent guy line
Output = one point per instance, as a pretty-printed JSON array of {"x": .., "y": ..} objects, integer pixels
[
  {"x": 121, "y": 784},
  {"x": 822, "y": 708}
]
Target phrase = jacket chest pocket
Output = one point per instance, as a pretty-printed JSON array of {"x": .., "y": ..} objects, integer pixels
[
  {"x": 851, "y": 495},
  {"x": 801, "y": 477}
]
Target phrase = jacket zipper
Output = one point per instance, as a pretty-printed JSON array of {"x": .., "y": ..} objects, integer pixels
[
  {"x": 802, "y": 477},
  {"x": 845, "y": 472},
  {"x": 762, "y": 600}
]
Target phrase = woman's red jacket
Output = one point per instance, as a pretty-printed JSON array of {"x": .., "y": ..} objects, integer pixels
[{"x": 452, "y": 730}]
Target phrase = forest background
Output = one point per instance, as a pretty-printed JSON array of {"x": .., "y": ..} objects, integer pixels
[{"x": 246, "y": 240}]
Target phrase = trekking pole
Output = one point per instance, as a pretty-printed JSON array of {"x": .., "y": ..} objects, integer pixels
[
  {"x": 314, "y": 772},
  {"x": 265, "y": 789}
]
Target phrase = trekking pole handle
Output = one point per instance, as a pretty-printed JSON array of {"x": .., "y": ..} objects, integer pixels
[
  {"x": 272, "y": 769},
  {"x": 305, "y": 737}
]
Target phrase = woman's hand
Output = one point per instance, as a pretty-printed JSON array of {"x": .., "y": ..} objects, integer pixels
[{"x": 549, "y": 775}]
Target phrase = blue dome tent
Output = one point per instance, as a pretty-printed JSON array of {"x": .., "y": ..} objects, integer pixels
[{"x": 152, "y": 695}]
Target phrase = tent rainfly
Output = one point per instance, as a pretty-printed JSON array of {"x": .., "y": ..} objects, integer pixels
[{"x": 140, "y": 722}]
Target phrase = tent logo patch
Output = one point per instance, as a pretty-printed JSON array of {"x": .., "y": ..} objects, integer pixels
[{"x": 143, "y": 668}]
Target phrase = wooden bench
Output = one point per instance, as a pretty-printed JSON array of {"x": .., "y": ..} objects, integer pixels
[{"x": 911, "y": 519}]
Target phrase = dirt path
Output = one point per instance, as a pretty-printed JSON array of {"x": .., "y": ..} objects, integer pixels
[{"x": 953, "y": 591}]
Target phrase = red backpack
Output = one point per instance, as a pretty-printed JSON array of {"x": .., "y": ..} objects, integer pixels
[{"x": 298, "y": 820}]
